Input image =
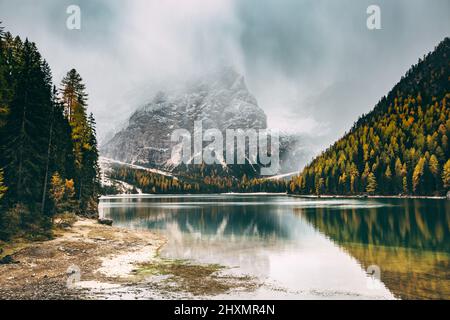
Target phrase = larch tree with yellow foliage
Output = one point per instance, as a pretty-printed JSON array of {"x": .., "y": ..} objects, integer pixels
[{"x": 400, "y": 147}]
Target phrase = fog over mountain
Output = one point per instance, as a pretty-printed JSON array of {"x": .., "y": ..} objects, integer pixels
[
  {"x": 313, "y": 66},
  {"x": 219, "y": 100}
]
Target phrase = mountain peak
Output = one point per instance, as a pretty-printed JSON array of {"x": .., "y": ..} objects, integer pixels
[{"x": 219, "y": 99}]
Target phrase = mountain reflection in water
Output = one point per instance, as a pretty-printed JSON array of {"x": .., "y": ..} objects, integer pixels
[{"x": 313, "y": 247}]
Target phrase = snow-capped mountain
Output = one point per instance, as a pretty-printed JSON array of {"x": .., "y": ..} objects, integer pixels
[{"x": 220, "y": 100}]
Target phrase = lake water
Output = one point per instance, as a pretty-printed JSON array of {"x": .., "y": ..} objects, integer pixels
[{"x": 303, "y": 248}]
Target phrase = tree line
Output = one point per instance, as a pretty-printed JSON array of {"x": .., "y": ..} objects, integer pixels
[
  {"x": 401, "y": 147},
  {"x": 203, "y": 179},
  {"x": 49, "y": 158}
]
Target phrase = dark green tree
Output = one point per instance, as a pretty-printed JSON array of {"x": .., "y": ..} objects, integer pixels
[
  {"x": 27, "y": 128},
  {"x": 74, "y": 101}
]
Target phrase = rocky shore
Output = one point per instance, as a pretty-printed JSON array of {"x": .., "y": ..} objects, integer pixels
[{"x": 97, "y": 261}]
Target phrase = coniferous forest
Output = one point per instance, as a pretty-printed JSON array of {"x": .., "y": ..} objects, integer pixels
[
  {"x": 48, "y": 148},
  {"x": 202, "y": 181},
  {"x": 401, "y": 147},
  {"x": 49, "y": 158}
]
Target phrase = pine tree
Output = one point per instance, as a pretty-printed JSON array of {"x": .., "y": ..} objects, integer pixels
[
  {"x": 433, "y": 165},
  {"x": 3, "y": 84},
  {"x": 62, "y": 192},
  {"x": 417, "y": 178},
  {"x": 26, "y": 130},
  {"x": 371, "y": 183},
  {"x": 74, "y": 101},
  {"x": 59, "y": 148},
  {"x": 405, "y": 185},
  {"x": 446, "y": 175},
  {"x": 398, "y": 180},
  {"x": 62, "y": 155},
  {"x": 388, "y": 180},
  {"x": 319, "y": 186},
  {"x": 48, "y": 80},
  {"x": 3, "y": 104},
  {"x": 74, "y": 96},
  {"x": 3, "y": 188},
  {"x": 91, "y": 171},
  {"x": 57, "y": 191}
]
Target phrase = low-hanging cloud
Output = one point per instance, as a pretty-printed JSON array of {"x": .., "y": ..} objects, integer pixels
[{"x": 313, "y": 65}]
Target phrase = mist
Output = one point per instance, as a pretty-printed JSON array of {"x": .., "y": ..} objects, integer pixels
[{"x": 313, "y": 66}]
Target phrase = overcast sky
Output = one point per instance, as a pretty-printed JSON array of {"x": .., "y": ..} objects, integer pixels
[{"x": 313, "y": 65}]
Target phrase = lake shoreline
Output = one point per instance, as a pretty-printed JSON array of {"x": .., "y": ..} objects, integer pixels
[
  {"x": 121, "y": 262},
  {"x": 94, "y": 256},
  {"x": 95, "y": 261},
  {"x": 366, "y": 197},
  {"x": 312, "y": 196}
]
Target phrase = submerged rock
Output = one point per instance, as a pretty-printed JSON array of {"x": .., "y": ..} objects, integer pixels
[{"x": 105, "y": 221}]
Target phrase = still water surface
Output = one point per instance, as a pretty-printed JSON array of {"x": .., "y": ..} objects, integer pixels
[{"x": 305, "y": 248}]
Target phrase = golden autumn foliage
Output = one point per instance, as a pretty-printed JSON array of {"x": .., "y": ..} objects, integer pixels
[
  {"x": 446, "y": 174},
  {"x": 194, "y": 181},
  {"x": 399, "y": 147},
  {"x": 3, "y": 188},
  {"x": 62, "y": 192}
]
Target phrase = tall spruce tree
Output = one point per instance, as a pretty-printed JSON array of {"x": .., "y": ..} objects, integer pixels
[
  {"x": 63, "y": 158},
  {"x": 4, "y": 110},
  {"x": 91, "y": 170},
  {"x": 26, "y": 129},
  {"x": 3, "y": 187},
  {"x": 74, "y": 100},
  {"x": 3, "y": 84},
  {"x": 3, "y": 104}
]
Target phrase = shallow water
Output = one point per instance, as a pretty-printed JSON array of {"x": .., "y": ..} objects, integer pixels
[{"x": 304, "y": 248}]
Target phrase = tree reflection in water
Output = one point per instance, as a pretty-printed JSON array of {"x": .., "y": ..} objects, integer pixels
[
  {"x": 408, "y": 239},
  {"x": 199, "y": 228}
]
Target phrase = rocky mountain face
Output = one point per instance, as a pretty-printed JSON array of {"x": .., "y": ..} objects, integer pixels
[{"x": 220, "y": 101}]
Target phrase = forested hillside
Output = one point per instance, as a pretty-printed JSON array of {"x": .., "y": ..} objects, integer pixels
[
  {"x": 48, "y": 158},
  {"x": 206, "y": 179},
  {"x": 401, "y": 147}
]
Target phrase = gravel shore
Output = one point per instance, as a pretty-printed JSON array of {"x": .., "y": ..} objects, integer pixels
[{"x": 95, "y": 261}]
